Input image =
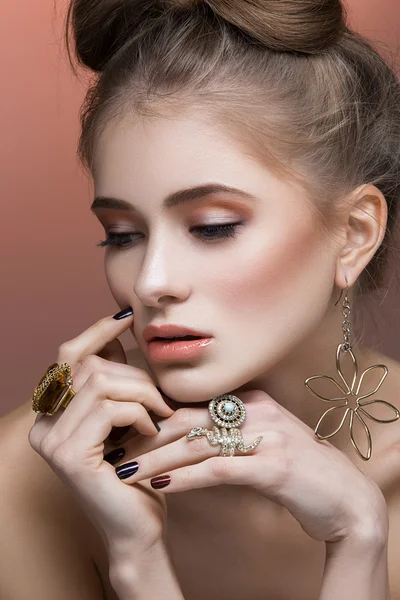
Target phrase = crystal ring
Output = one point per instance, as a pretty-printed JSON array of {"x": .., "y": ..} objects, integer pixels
[{"x": 228, "y": 412}]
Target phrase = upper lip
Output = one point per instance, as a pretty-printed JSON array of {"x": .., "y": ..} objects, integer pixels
[{"x": 151, "y": 332}]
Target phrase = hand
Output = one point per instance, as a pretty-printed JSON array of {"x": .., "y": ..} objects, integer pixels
[
  {"x": 327, "y": 494},
  {"x": 72, "y": 441}
]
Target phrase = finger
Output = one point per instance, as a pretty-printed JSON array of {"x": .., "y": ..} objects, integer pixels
[
  {"x": 168, "y": 457},
  {"x": 85, "y": 444},
  {"x": 98, "y": 389},
  {"x": 92, "y": 365},
  {"x": 261, "y": 414},
  {"x": 214, "y": 471},
  {"x": 95, "y": 364},
  {"x": 93, "y": 340},
  {"x": 95, "y": 428},
  {"x": 176, "y": 426},
  {"x": 82, "y": 454}
]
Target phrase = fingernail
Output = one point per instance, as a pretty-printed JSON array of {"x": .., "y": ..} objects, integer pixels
[
  {"x": 156, "y": 425},
  {"x": 127, "y": 470},
  {"x": 127, "y": 312},
  {"x": 160, "y": 482},
  {"x": 114, "y": 456},
  {"x": 117, "y": 433}
]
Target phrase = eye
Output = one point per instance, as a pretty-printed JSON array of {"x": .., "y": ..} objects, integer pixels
[
  {"x": 218, "y": 231},
  {"x": 206, "y": 232},
  {"x": 121, "y": 240}
]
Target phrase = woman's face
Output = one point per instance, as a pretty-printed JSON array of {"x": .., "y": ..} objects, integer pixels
[{"x": 259, "y": 291}]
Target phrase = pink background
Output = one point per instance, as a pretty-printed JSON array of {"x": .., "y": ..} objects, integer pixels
[{"x": 52, "y": 279}]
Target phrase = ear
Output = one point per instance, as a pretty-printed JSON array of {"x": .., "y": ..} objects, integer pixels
[{"x": 363, "y": 229}]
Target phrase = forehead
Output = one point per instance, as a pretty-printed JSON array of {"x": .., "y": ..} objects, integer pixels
[{"x": 138, "y": 156}]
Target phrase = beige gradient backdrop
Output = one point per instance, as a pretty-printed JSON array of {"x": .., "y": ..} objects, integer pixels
[{"x": 52, "y": 280}]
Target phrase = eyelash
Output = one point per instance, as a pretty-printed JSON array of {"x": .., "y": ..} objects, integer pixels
[{"x": 223, "y": 231}]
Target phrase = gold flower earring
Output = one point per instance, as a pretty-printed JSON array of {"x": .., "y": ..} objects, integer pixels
[{"x": 352, "y": 401}]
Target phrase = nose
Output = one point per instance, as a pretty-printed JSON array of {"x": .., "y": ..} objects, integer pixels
[{"x": 164, "y": 274}]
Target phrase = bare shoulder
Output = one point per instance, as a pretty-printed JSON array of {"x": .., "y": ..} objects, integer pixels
[
  {"x": 44, "y": 533},
  {"x": 384, "y": 465}
]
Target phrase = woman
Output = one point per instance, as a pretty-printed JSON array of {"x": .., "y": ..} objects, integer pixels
[{"x": 245, "y": 159}]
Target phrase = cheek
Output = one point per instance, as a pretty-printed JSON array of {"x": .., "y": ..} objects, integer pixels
[
  {"x": 273, "y": 271},
  {"x": 118, "y": 274}
]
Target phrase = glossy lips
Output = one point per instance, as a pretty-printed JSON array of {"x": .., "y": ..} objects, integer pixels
[
  {"x": 152, "y": 331},
  {"x": 163, "y": 350}
]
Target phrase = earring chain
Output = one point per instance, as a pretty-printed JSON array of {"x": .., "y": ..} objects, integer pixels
[{"x": 346, "y": 325}]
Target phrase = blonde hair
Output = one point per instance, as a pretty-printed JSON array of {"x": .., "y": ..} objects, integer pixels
[{"x": 311, "y": 98}]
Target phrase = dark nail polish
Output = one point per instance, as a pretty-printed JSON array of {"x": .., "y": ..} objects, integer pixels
[
  {"x": 124, "y": 313},
  {"x": 156, "y": 425},
  {"x": 160, "y": 482},
  {"x": 127, "y": 470},
  {"x": 117, "y": 433},
  {"x": 114, "y": 456}
]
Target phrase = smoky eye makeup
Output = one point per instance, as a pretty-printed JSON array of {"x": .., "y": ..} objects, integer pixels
[
  {"x": 207, "y": 224},
  {"x": 205, "y": 233}
]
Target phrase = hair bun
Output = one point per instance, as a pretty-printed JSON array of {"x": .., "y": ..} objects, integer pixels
[
  {"x": 306, "y": 26},
  {"x": 183, "y": 4},
  {"x": 101, "y": 27}
]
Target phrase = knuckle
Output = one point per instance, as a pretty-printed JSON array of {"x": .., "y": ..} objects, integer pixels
[
  {"x": 106, "y": 407},
  {"x": 34, "y": 438},
  {"x": 276, "y": 441},
  {"x": 97, "y": 380},
  {"x": 91, "y": 363},
  {"x": 199, "y": 446},
  {"x": 65, "y": 351},
  {"x": 186, "y": 475},
  {"x": 153, "y": 461},
  {"x": 268, "y": 409},
  {"x": 143, "y": 376},
  {"x": 221, "y": 467},
  {"x": 63, "y": 458},
  {"x": 47, "y": 446},
  {"x": 182, "y": 417},
  {"x": 147, "y": 387}
]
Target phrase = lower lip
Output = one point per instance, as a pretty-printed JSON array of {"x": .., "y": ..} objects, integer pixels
[{"x": 178, "y": 350}]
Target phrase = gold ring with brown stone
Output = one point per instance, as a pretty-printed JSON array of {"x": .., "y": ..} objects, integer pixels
[{"x": 54, "y": 390}]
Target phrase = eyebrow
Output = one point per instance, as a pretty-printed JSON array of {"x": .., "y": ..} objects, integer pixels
[{"x": 174, "y": 199}]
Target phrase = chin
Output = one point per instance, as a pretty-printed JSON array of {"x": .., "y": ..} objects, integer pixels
[{"x": 187, "y": 395}]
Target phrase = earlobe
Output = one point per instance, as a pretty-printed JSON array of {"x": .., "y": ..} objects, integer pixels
[{"x": 365, "y": 230}]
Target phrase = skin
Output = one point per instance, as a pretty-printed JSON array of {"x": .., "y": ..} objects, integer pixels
[
  {"x": 142, "y": 162},
  {"x": 267, "y": 337},
  {"x": 255, "y": 346}
]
